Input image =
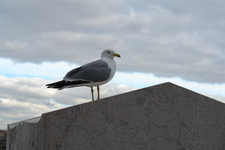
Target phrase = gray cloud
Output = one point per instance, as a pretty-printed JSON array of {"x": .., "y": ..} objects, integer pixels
[{"x": 168, "y": 39}]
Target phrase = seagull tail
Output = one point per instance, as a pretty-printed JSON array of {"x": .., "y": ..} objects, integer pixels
[
  {"x": 56, "y": 85},
  {"x": 60, "y": 85}
]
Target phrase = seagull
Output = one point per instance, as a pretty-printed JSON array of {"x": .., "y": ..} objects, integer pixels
[{"x": 92, "y": 74}]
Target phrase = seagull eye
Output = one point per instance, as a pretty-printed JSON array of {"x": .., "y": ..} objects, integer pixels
[{"x": 108, "y": 51}]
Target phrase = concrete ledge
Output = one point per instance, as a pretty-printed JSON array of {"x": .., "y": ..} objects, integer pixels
[
  {"x": 160, "y": 117},
  {"x": 32, "y": 120}
]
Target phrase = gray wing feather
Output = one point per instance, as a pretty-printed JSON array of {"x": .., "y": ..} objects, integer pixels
[{"x": 96, "y": 71}]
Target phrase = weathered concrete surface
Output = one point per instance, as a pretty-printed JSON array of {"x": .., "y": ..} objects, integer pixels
[{"x": 161, "y": 117}]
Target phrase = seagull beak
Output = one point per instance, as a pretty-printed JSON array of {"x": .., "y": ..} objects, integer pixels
[{"x": 116, "y": 55}]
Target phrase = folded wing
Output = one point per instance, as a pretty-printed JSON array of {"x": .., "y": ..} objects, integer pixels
[{"x": 97, "y": 71}]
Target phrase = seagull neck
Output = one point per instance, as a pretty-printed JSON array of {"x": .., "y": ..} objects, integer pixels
[{"x": 107, "y": 59}]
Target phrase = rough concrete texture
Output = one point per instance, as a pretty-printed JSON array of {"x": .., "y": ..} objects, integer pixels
[{"x": 161, "y": 117}]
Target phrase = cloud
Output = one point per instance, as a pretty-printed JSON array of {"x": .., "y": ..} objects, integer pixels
[
  {"x": 55, "y": 71},
  {"x": 167, "y": 39}
]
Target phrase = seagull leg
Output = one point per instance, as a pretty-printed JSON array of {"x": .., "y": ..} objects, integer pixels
[
  {"x": 92, "y": 93},
  {"x": 98, "y": 92}
]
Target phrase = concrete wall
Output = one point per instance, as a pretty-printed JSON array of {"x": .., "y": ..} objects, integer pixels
[{"x": 161, "y": 117}]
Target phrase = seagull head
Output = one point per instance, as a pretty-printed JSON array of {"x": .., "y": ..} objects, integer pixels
[{"x": 109, "y": 53}]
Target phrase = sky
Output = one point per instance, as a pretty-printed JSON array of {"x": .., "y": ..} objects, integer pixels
[{"x": 159, "y": 41}]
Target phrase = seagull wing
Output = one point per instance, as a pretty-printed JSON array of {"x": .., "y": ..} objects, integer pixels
[{"x": 96, "y": 71}]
